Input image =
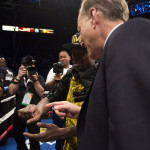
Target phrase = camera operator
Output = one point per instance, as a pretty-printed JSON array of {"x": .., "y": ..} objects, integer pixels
[
  {"x": 55, "y": 73},
  {"x": 6, "y": 76},
  {"x": 29, "y": 89}
]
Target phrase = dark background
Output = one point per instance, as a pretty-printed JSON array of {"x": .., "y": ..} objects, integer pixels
[{"x": 60, "y": 15}]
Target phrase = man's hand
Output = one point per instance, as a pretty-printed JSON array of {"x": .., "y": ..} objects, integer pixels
[
  {"x": 33, "y": 77},
  {"x": 22, "y": 71},
  {"x": 57, "y": 77},
  {"x": 65, "y": 109},
  {"x": 53, "y": 132},
  {"x": 30, "y": 112}
]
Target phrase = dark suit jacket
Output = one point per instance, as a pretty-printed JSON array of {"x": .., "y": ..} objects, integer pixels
[{"x": 116, "y": 113}]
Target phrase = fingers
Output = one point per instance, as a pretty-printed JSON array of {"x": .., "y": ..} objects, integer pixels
[
  {"x": 60, "y": 108},
  {"x": 33, "y": 119},
  {"x": 23, "y": 113},
  {"x": 65, "y": 109},
  {"x": 30, "y": 112},
  {"x": 43, "y": 125},
  {"x": 48, "y": 135},
  {"x": 36, "y": 137},
  {"x": 22, "y": 70},
  {"x": 60, "y": 113},
  {"x": 55, "y": 103}
]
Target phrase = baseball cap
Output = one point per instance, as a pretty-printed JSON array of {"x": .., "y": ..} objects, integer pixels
[{"x": 75, "y": 42}]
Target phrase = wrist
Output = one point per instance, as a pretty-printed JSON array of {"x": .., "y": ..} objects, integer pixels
[
  {"x": 14, "y": 82},
  {"x": 18, "y": 78},
  {"x": 41, "y": 105},
  {"x": 67, "y": 132}
]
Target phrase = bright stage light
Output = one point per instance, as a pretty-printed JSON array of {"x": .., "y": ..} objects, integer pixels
[{"x": 26, "y": 29}]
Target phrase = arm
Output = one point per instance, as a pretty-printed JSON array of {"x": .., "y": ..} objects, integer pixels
[
  {"x": 41, "y": 105},
  {"x": 52, "y": 132},
  {"x": 63, "y": 109},
  {"x": 34, "y": 112},
  {"x": 37, "y": 82},
  {"x": 13, "y": 88},
  {"x": 38, "y": 88}
]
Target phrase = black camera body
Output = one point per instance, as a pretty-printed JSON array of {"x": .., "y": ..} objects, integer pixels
[
  {"x": 58, "y": 68},
  {"x": 31, "y": 70}
]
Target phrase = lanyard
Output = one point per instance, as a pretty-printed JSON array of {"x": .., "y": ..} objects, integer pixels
[{"x": 26, "y": 83}]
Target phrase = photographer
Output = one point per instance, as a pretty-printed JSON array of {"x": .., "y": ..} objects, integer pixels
[
  {"x": 29, "y": 89},
  {"x": 55, "y": 73}
]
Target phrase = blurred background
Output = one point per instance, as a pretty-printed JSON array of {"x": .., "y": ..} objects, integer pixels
[{"x": 57, "y": 15}]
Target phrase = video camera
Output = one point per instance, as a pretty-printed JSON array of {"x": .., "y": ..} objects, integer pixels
[{"x": 58, "y": 68}]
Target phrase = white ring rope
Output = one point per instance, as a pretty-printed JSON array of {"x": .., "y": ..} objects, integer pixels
[{"x": 6, "y": 116}]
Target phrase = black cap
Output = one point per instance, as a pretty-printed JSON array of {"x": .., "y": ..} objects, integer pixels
[
  {"x": 28, "y": 60},
  {"x": 75, "y": 42}
]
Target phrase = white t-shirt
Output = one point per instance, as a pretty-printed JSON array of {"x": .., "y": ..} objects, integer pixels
[{"x": 51, "y": 74}]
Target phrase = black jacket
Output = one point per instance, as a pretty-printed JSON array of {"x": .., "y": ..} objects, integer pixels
[
  {"x": 60, "y": 92},
  {"x": 116, "y": 113}
]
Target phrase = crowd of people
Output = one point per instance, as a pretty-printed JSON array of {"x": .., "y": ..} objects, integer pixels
[{"x": 106, "y": 105}]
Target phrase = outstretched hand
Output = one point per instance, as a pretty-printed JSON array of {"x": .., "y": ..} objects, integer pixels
[
  {"x": 65, "y": 109},
  {"x": 52, "y": 133}
]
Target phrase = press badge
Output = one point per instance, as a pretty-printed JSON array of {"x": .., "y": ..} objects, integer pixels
[{"x": 27, "y": 98}]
